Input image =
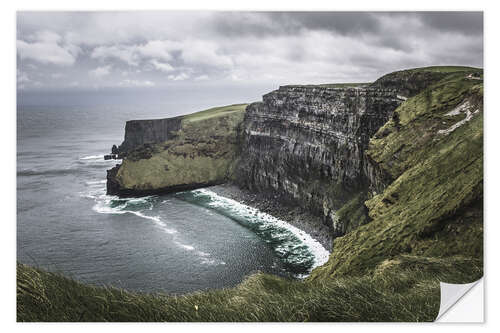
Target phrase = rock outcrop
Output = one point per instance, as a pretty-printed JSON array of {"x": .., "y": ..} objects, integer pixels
[
  {"x": 177, "y": 154},
  {"x": 150, "y": 131},
  {"x": 306, "y": 144}
]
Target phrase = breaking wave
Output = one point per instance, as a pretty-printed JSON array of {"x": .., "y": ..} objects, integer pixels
[
  {"x": 297, "y": 250},
  {"x": 110, "y": 204}
]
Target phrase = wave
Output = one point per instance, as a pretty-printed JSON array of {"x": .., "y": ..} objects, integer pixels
[
  {"x": 92, "y": 157},
  {"x": 82, "y": 163},
  {"x": 50, "y": 172},
  {"x": 297, "y": 250},
  {"x": 109, "y": 204}
]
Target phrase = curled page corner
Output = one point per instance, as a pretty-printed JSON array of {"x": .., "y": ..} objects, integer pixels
[{"x": 451, "y": 294}]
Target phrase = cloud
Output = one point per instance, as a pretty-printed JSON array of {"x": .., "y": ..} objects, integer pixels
[
  {"x": 22, "y": 77},
  {"x": 101, "y": 71},
  {"x": 201, "y": 78},
  {"x": 166, "y": 48},
  {"x": 48, "y": 49},
  {"x": 466, "y": 23},
  {"x": 178, "y": 77},
  {"x": 137, "y": 83},
  {"x": 133, "y": 54},
  {"x": 205, "y": 53},
  {"x": 124, "y": 53},
  {"x": 159, "y": 49},
  {"x": 164, "y": 67}
]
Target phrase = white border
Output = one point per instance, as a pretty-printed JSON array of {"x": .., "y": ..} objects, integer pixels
[{"x": 8, "y": 139}]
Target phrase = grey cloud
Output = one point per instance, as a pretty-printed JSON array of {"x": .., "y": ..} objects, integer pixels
[
  {"x": 272, "y": 23},
  {"x": 468, "y": 23},
  {"x": 155, "y": 49},
  {"x": 344, "y": 23}
]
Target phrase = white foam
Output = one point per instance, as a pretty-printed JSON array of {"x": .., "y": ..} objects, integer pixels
[
  {"x": 187, "y": 247},
  {"x": 315, "y": 248},
  {"x": 103, "y": 206},
  {"x": 92, "y": 157},
  {"x": 97, "y": 182}
]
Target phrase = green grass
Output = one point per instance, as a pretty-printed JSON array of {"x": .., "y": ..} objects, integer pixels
[
  {"x": 433, "y": 206},
  {"x": 444, "y": 69},
  {"x": 214, "y": 112},
  {"x": 331, "y": 85},
  {"x": 403, "y": 289}
]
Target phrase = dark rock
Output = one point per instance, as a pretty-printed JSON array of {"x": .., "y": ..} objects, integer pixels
[
  {"x": 114, "y": 150},
  {"x": 306, "y": 144},
  {"x": 149, "y": 131},
  {"x": 112, "y": 185},
  {"x": 110, "y": 157}
]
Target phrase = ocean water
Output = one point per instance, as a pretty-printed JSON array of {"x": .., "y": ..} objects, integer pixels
[{"x": 172, "y": 243}]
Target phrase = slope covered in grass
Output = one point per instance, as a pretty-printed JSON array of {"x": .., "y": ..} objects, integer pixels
[
  {"x": 431, "y": 156},
  {"x": 403, "y": 289}
]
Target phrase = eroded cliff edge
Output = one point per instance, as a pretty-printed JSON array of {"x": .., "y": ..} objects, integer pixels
[{"x": 176, "y": 154}]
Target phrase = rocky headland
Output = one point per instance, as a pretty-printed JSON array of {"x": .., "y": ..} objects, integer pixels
[{"x": 177, "y": 154}]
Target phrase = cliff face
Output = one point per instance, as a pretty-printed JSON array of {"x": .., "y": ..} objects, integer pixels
[
  {"x": 306, "y": 144},
  {"x": 175, "y": 154},
  {"x": 151, "y": 131}
]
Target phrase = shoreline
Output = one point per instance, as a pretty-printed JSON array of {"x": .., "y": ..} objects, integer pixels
[{"x": 296, "y": 216}]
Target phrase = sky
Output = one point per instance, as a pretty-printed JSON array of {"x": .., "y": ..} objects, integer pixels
[{"x": 218, "y": 52}]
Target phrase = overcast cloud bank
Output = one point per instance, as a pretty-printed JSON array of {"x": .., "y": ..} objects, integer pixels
[{"x": 155, "y": 50}]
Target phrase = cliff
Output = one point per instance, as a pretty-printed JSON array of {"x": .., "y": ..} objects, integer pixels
[
  {"x": 307, "y": 143},
  {"x": 140, "y": 132},
  {"x": 431, "y": 204},
  {"x": 175, "y": 154}
]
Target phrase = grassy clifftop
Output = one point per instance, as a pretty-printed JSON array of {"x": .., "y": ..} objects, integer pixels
[
  {"x": 410, "y": 82},
  {"x": 203, "y": 152}
]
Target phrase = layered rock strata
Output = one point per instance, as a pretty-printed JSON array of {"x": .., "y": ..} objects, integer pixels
[{"x": 306, "y": 145}]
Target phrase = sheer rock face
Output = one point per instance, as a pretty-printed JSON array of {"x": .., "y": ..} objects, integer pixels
[
  {"x": 151, "y": 131},
  {"x": 306, "y": 144}
]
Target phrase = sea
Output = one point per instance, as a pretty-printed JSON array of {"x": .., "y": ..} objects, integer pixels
[{"x": 175, "y": 243}]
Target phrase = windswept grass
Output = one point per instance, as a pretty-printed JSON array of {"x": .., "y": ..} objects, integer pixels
[
  {"x": 433, "y": 206},
  {"x": 332, "y": 85},
  {"x": 215, "y": 112},
  {"x": 403, "y": 289}
]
